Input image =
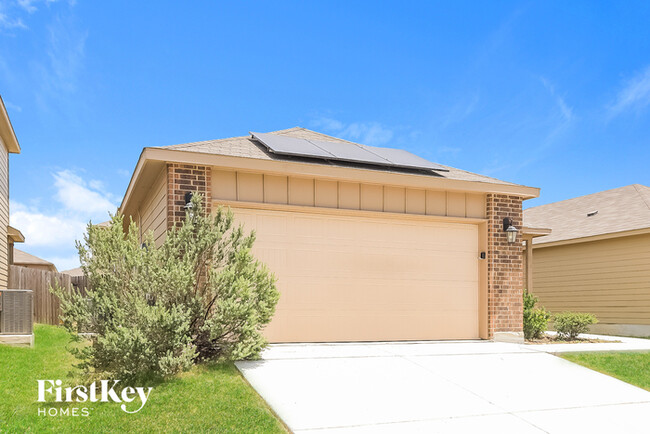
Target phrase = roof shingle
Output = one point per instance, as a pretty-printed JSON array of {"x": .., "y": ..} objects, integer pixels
[
  {"x": 248, "y": 148},
  {"x": 618, "y": 210}
]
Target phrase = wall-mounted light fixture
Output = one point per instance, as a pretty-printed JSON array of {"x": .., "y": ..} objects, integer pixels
[
  {"x": 188, "y": 200},
  {"x": 510, "y": 230}
]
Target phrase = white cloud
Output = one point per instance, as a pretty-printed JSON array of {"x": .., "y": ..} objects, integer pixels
[
  {"x": 51, "y": 231},
  {"x": 327, "y": 124},
  {"x": 635, "y": 95},
  {"x": 6, "y": 22},
  {"x": 30, "y": 5},
  {"x": 43, "y": 230},
  {"x": 65, "y": 50},
  {"x": 367, "y": 133},
  {"x": 565, "y": 110},
  {"x": 75, "y": 194}
]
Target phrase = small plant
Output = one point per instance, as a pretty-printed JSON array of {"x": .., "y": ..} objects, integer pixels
[
  {"x": 570, "y": 324},
  {"x": 535, "y": 318}
]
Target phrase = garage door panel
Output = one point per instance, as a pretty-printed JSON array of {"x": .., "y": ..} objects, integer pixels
[{"x": 347, "y": 278}]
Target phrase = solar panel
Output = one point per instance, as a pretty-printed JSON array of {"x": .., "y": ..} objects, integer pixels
[
  {"x": 291, "y": 146},
  {"x": 350, "y": 152},
  {"x": 402, "y": 158},
  {"x": 341, "y": 151}
]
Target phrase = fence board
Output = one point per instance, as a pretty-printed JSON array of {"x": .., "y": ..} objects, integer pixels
[{"x": 47, "y": 306}]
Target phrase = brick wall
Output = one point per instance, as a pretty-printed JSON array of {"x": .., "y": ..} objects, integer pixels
[
  {"x": 505, "y": 266},
  {"x": 183, "y": 178}
]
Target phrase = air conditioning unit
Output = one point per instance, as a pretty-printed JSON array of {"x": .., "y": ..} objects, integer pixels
[{"x": 16, "y": 311}]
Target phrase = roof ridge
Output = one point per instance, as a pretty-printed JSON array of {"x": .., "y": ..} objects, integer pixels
[
  {"x": 201, "y": 142},
  {"x": 315, "y": 132}
]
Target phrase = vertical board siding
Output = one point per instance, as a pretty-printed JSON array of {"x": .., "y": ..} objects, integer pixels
[
  {"x": 609, "y": 278},
  {"x": 4, "y": 216},
  {"x": 47, "y": 307},
  {"x": 153, "y": 211},
  {"x": 253, "y": 187}
]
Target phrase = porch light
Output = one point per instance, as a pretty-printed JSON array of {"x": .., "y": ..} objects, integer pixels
[
  {"x": 510, "y": 230},
  {"x": 188, "y": 200}
]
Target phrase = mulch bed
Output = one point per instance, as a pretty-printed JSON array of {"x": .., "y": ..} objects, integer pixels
[{"x": 555, "y": 340}]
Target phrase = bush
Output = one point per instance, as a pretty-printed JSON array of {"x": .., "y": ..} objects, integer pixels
[
  {"x": 570, "y": 324},
  {"x": 154, "y": 312},
  {"x": 535, "y": 318}
]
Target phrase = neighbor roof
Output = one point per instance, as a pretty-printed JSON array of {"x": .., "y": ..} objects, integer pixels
[
  {"x": 246, "y": 147},
  {"x": 24, "y": 258},
  {"x": 619, "y": 210},
  {"x": 74, "y": 272}
]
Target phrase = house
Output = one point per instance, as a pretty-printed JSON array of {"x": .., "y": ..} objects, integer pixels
[
  {"x": 368, "y": 244},
  {"x": 24, "y": 259},
  {"x": 74, "y": 272},
  {"x": 8, "y": 235},
  {"x": 597, "y": 258}
]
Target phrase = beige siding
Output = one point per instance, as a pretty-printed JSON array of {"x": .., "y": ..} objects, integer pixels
[
  {"x": 4, "y": 216},
  {"x": 609, "y": 278},
  {"x": 153, "y": 211},
  {"x": 230, "y": 185}
]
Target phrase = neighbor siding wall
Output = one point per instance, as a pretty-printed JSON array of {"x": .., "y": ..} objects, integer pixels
[
  {"x": 153, "y": 211},
  {"x": 257, "y": 187},
  {"x": 4, "y": 215},
  {"x": 609, "y": 278}
]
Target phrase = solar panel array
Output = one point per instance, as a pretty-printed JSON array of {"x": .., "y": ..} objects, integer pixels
[{"x": 344, "y": 151}]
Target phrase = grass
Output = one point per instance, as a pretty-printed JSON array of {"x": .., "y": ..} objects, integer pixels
[
  {"x": 207, "y": 398},
  {"x": 633, "y": 368}
]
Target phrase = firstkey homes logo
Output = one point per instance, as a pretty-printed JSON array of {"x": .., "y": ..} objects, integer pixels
[{"x": 102, "y": 391}]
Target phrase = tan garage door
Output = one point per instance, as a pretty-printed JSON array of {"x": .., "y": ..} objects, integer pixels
[{"x": 350, "y": 278}]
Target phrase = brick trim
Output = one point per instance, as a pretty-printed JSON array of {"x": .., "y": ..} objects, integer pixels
[
  {"x": 505, "y": 266},
  {"x": 183, "y": 178}
]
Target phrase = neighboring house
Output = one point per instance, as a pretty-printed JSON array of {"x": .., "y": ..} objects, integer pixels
[
  {"x": 597, "y": 258},
  {"x": 8, "y": 235},
  {"x": 24, "y": 259},
  {"x": 366, "y": 246},
  {"x": 74, "y": 272}
]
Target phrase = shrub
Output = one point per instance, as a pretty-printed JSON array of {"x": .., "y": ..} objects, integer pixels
[
  {"x": 570, "y": 324},
  {"x": 535, "y": 318},
  {"x": 154, "y": 312}
]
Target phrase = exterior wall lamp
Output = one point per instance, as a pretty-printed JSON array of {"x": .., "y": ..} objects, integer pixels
[
  {"x": 510, "y": 230},
  {"x": 188, "y": 200}
]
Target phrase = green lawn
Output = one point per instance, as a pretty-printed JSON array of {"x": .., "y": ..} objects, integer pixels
[
  {"x": 208, "y": 398},
  {"x": 633, "y": 368}
]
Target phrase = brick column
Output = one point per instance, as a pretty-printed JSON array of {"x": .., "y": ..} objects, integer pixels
[
  {"x": 505, "y": 270},
  {"x": 183, "y": 178}
]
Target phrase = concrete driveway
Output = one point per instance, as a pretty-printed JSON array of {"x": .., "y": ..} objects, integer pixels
[{"x": 441, "y": 387}]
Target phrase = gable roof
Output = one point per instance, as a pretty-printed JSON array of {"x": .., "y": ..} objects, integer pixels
[
  {"x": 246, "y": 147},
  {"x": 619, "y": 210},
  {"x": 26, "y": 259}
]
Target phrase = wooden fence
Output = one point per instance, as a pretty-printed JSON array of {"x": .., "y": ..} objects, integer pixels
[{"x": 47, "y": 307}]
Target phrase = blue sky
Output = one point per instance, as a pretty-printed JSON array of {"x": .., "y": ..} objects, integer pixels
[{"x": 548, "y": 94}]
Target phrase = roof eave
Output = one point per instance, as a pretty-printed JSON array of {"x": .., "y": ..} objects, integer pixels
[
  {"x": 301, "y": 168},
  {"x": 15, "y": 235},
  {"x": 599, "y": 237},
  {"x": 7, "y": 131},
  {"x": 535, "y": 232}
]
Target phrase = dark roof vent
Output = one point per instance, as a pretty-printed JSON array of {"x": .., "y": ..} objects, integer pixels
[{"x": 592, "y": 213}]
